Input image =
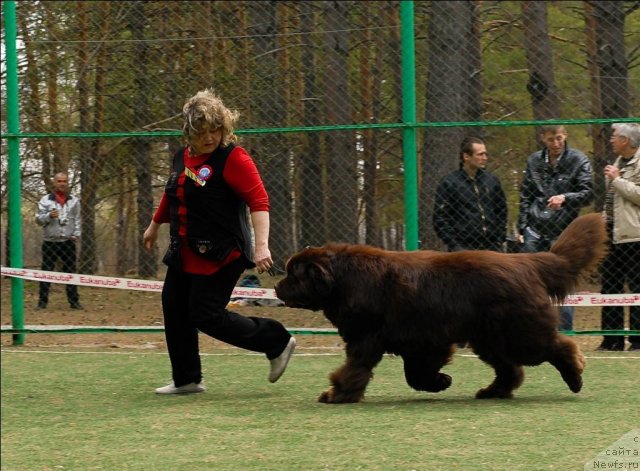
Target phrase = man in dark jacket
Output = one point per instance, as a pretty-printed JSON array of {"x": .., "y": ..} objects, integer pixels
[
  {"x": 470, "y": 207},
  {"x": 558, "y": 182}
]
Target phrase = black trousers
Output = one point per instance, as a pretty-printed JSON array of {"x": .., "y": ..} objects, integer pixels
[
  {"x": 51, "y": 253},
  {"x": 198, "y": 302},
  {"x": 621, "y": 265}
]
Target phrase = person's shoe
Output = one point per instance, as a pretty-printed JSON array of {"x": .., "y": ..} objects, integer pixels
[
  {"x": 190, "y": 388},
  {"x": 76, "y": 306},
  {"x": 279, "y": 364},
  {"x": 41, "y": 307},
  {"x": 611, "y": 346},
  {"x": 634, "y": 347}
]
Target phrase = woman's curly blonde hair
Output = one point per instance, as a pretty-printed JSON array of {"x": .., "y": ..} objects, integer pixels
[{"x": 205, "y": 107}]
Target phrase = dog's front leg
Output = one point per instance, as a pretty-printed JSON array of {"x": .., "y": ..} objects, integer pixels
[{"x": 350, "y": 380}]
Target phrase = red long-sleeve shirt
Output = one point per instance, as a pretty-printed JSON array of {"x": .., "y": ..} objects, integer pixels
[{"x": 241, "y": 174}]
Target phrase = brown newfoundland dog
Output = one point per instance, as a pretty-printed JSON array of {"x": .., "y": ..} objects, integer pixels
[{"x": 419, "y": 304}]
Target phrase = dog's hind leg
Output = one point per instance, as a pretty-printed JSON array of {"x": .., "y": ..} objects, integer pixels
[
  {"x": 422, "y": 372},
  {"x": 569, "y": 361},
  {"x": 508, "y": 377},
  {"x": 349, "y": 382}
]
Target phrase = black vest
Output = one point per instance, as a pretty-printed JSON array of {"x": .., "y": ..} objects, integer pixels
[{"x": 217, "y": 219}]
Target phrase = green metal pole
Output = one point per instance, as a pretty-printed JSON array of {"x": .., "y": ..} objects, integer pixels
[
  {"x": 409, "y": 146},
  {"x": 13, "y": 146}
]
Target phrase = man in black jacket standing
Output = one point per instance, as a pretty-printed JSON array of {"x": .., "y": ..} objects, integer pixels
[
  {"x": 470, "y": 206},
  {"x": 558, "y": 182}
]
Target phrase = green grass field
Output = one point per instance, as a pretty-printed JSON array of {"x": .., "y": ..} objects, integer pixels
[{"x": 97, "y": 411}]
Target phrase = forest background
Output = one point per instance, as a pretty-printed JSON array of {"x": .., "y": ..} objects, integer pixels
[{"x": 295, "y": 70}]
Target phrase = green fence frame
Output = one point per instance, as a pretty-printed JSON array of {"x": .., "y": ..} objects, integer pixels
[{"x": 409, "y": 127}]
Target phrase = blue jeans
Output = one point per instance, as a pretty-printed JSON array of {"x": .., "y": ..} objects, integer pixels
[{"x": 534, "y": 242}]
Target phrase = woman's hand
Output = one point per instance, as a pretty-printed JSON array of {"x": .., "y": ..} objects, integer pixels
[
  {"x": 150, "y": 235},
  {"x": 263, "y": 259}
]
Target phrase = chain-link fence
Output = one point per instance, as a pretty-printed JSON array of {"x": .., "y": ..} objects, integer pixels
[{"x": 117, "y": 67}]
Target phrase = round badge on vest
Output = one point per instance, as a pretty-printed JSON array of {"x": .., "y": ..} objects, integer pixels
[{"x": 205, "y": 172}]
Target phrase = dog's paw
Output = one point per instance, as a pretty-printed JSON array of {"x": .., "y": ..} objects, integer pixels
[
  {"x": 443, "y": 382},
  {"x": 574, "y": 383},
  {"x": 492, "y": 393},
  {"x": 326, "y": 396},
  {"x": 436, "y": 383},
  {"x": 330, "y": 396}
]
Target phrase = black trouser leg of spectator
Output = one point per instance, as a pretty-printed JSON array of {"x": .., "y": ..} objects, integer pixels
[
  {"x": 633, "y": 269},
  {"x": 613, "y": 282},
  {"x": 181, "y": 335},
  {"x": 49, "y": 256},
  {"x": 208, "y": 300},
  {"x": 68, "y": 255}
]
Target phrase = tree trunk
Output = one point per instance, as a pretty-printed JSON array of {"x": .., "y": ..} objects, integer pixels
[
  {"x": 121, "y": 227},
  {"x": 60, "y": 158},
  {"x": 141, "y": 147},
  {"x": 271, "y": 152},
  {"x": 342, "y": 191},
  {"x": 472, "y": 65},
  {"x": 537, "y": 45},
  {"x": 125, "y": 210},
  {"x": 175, "y": 66},
  {"x": 450, "y": 86},
  {"x": 368, "y": 80},
  {"x": 609, "y": 71},
  {"x": 33, "y": 108},
  {"x": 88, "y": 257},
  {"x": 598, "y": 131},
  {"x": 311, "y": 207}
]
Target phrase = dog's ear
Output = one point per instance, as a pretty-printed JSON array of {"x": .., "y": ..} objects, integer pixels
[{"x": 321, "y": 277}]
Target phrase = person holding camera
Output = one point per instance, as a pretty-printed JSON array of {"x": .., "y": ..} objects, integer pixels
[
  {"x": 557, "y": 184},
  {"x": 59, "y": 215}
]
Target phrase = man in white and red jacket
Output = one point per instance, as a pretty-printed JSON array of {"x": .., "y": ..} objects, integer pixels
[{"x": 59, "y": 215}]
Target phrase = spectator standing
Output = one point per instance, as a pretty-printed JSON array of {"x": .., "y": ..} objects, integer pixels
[
  {"x": 59, "y": 215},
  {"x": 622, "y": 213},
  {"x": 470, "y": 206},
  {"x": 558, "y": 182},
  {"x": 205, "y": 201}
]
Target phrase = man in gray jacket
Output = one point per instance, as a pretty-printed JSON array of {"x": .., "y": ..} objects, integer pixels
[
  {"x": 622, "y": 213},
  {"x": 558, "y": 182},
  {"x": 59, "y": 214}
]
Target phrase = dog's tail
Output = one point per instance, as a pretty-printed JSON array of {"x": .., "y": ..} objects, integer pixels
[{"x": 581, "y": 247}]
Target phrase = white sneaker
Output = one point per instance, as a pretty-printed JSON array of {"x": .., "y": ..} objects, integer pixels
[
  {"x": 279, "y": 364},
  {"x": 190, "y": 388}
]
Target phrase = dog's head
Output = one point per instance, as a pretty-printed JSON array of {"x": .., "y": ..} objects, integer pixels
[{"x": 309, "y": 281}]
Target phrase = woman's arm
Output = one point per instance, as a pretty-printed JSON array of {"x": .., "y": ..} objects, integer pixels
[{"x": 260, "y": 221}]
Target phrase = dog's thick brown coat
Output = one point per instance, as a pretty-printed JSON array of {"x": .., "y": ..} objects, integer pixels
[{"x": 419, "y": 304}]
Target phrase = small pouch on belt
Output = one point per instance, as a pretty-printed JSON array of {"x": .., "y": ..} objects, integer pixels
[
  {"x": 212, "y": 249},
  {"x": 172, "y": 257}
]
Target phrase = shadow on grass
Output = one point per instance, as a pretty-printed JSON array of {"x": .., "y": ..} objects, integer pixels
[{"x": 467, "y": 402}]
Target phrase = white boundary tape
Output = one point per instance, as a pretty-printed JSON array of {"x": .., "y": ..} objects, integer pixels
[
  {"x": 338, "y": 352},
  {"x": 117, "y": 283},
  {"x": 579, "y": 299},
  {"x": 597, "y": 299}
]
